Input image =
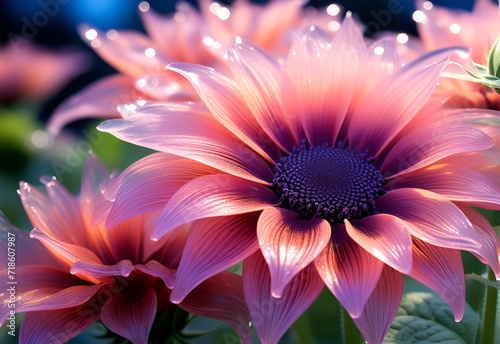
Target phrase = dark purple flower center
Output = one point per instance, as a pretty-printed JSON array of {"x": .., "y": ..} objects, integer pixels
[{"x": 333, "y": 183}]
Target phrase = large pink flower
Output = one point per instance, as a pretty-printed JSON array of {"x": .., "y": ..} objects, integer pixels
[
  {"x": 440, "y": 27},
  {"x": 185, "y": 36},
  {"x": 332, "y": 169},
  {"x": 71, "y": 274}
]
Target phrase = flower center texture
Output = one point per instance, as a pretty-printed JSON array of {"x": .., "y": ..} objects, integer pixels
[{"x": 333, "y": 183}]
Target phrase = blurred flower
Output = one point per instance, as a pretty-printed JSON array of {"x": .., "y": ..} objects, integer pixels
[
  {"x": 185, "y": 36},
  {"x": 440, "y": 27},
  {"x": 333, "y": 164},
  {"x": 74, "y": 274},
  {"x": 28, "y": 71}
]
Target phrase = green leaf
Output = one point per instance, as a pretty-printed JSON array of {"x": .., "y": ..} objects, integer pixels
[
  {"x": 494, "y": 59},
  {"x": 479, "y": 68},
  {"x": 427, "y": 318},
  {"x": 475, "y": 76}
]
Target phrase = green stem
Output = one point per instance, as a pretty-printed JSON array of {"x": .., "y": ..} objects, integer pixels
[
  {"x": 490, "y": 310},
  {"x": 351, "y": 332}
]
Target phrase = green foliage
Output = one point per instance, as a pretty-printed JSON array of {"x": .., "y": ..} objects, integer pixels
[{"x": 427, "y": 318}]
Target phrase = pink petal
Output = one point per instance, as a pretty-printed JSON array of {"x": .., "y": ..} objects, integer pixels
[
  {"x": 433, "y": 218},
  {"x": 148, "y": 184},
  {"x": 98, "y": 99},
  {"x": 490, "y": 249},
  {"x": 56, "y": 326},
  {"x": 271, "y": 316},
  {"x": 455, "y": 182},
  {"x": 122, "y": 268},
  {"x": 223, "y": 98},
  {"x": 210, "y": 196},
  {"x": 47, "y": 218},
  {"x": 319, "y": 68},
  {"x": 157, "y": 269},
  {"x": 73, "y": 253},
  {"x": 348, "y": 270},
  {"x": 214, "y": 245},
  {"x": 169, "y": 247},
  {"x": 382, "y": 306},
  {"x": 55, "y": 290},
  {"x": 441, "y": 270},
  {"x": 163, "y": 87},
  {"x": 67, "y": 207},
  {"x": 180, "y": 40},
  {"x": 289, "y": 243},
  {"x": 395, "y": 100},
  {"x": 30, "y": 252},
  {"x": 423, "y": 147},
  {"x": 126, "y": 52},
  {"x": 259, "y": 78},
  {"x": 131, "y": 320},
  {"x": 221, "y": 297},
  {"x": 190, "y": 132},
  {"x": 386, "y": 237},
  {"x": 95, "y": 178}
]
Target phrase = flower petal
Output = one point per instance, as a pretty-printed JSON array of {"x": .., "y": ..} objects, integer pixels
[
  {"x": 423, "y": 147},
  {"x": 259, "y": 78},
  {"x": 386, "y": 237},
  {"x": 214, "y": 245},
  {"x": 131, "y": 320},
  {"x": 30, "y": 252},
  {"x": 441, "y": 270},
  {"x": 289, "y": 243},
  {"x": 433, "y": 218},
  {"x": 56, "y": 326},
  {"x": 271, "y": 316},
  {"x": 455, "y": 182},
  {"x": 98, "y": 99},
  {"x": 382, "y": 306},
  {"x": 490, "y": 249},
  {"x": 393, "y": 102},
  {"x": 47, "y": 289},
  {"x": 157, "y": 269},
  {"x": 95, "y": 179},
  {"x": 73, "y": 253},
  {"x": 189, "y": 131},
  {"x": 122, "y": 268},
  {"x": 223, "y": 98},
  {"x": 348, "y": 270},
  {"x": 148, "y": 184},
  {"x": 210, "y": 196},
  {"x": 47, "y": 218},
  {"x": 221, "y": 297},
  {"x": 318, "y": 68},
  {"x": 127, "y": 52}
]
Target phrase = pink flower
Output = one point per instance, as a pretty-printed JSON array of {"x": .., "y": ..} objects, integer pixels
[
  {"x": 328, "y": 170},
  {"x": 32, "y": 72},
  {"x": 440, "y": 27},
  {"x": 186, "y": 36},
  {"x": 74, "y": 274}
]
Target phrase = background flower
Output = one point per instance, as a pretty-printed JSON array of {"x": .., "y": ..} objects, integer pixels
[{"x": 71, "y": 273}]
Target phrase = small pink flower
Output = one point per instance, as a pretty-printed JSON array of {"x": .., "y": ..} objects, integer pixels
[
  {"x": 441, "y": 27},
  {"x": 32, "y": 72},
  {"x": 332, "y": 169},
  {"x": 74, "y": 274}
]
